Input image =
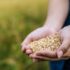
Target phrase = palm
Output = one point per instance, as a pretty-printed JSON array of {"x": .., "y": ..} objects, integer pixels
[{"x": 35, "y": 35}]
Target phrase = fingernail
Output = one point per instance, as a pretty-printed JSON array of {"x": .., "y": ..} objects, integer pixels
[
  {"x": 59, "y": 54},
  {"x": 28, "y": 51}
]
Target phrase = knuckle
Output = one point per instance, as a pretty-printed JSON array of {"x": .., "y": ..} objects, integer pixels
[{"x": 64, "y": 49}]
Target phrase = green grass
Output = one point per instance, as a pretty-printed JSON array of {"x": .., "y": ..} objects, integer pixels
[{"x": 17, "y": 19}]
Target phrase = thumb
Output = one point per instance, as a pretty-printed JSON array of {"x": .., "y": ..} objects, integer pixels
[{"x": 63, "y": 48}]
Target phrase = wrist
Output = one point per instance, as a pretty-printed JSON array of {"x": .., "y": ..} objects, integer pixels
[
  {"x": 53, "y": 25},
  {"x": 50, "y": 29}
]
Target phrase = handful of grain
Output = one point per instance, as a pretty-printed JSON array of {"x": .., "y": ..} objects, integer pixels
[{"x": 51, "y": 42}]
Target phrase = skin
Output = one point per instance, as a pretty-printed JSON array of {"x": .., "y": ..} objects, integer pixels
[
  {"x": 65, "y": 35},
  {"x": 57, "y": 13}
]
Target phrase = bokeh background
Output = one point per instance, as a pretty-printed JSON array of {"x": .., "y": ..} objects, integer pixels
[{"x": 17, "y": 19}]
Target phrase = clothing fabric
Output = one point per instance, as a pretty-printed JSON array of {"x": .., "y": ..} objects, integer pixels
[
  {"x": 66, "y": 65},
  {"x": 57, "y": 65}
]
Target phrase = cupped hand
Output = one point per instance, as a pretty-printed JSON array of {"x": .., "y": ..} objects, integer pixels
[
  {"x": 58, "y": 54},
  {"x": 35, "y": 35}
]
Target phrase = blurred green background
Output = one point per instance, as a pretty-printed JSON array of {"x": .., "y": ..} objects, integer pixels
[{"x": 17, "y": 19}]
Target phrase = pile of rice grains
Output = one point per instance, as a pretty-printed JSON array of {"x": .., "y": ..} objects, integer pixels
[{"x": 51, "y": 42}]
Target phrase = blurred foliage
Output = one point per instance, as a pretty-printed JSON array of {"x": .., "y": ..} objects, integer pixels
[{"x": 17, "y": 19}]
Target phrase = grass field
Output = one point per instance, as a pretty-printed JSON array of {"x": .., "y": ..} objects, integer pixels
[{"x": 17, "y": 19}]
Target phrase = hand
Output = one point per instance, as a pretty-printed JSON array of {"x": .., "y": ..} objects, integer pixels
[
  {"x": 65, "y": 36},
  {"x": 35, "y": 35}
]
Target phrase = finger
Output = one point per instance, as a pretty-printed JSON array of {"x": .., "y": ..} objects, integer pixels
[
  {"x": 33, "y": 56},
  {"x": 41, "y": 58},
  {"x": 63, "y": 48},
  {"x": 46, "y": 53},
  {"x": 25, "y": 43},
  {"x": 29, "y": 51}
]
